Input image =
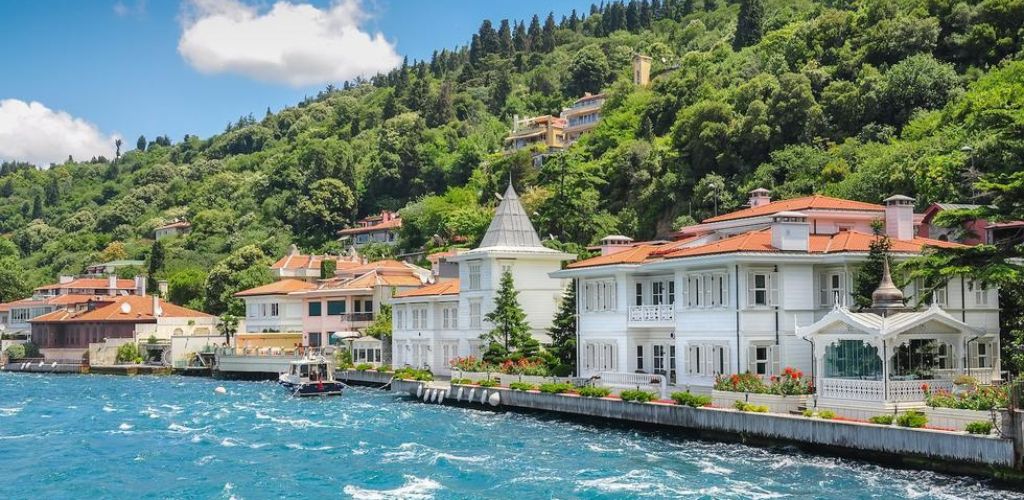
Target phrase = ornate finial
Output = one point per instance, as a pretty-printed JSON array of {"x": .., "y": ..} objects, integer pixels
[{"x": 886, "y": 296}]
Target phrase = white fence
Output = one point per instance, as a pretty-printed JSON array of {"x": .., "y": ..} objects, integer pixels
[
  {"x": 651, "y": 314},
  {"x": 658, "y": 383},
  {"x": 899, "y": 391}
]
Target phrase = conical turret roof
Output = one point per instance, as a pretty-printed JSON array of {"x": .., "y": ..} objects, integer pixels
[
  {"x": 887, "y": 295},
  {"x": 511, "y": 227}
]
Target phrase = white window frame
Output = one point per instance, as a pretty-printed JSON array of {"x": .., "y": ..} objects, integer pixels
[
  {"x": 828, "y": 288},
  {"x": 769, "y": 288},
  {"x": 599, "y": 295},
  {"x": 275, "y": 309},
  {"x": 706, "y": 290},
  {"x": 770, "y": 361},
  {"x": 474, "y": 275},
  {"x": 475, "y": 314}
]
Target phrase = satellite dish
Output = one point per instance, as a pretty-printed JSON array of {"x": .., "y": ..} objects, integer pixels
[{"x": 126, "y": 308}]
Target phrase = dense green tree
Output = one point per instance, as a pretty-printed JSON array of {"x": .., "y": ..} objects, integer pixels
[
  {"x": 245, "y": 268},
  {"x": 140, "y": 144},
  {"x": 13, "y": 284},
  {"x": 563, "y": 329},
  {"x": 749, "y": 24},
  {"x": 186, "y": 288},
  {"x": 511, "y": 331},
  {"x": 588, "y": 71},
  {"x": 155, "y": 266}
]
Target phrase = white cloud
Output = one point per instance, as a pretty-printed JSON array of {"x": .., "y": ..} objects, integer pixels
[
  {"x": 32, "y": 132},
  {"x": 295, "y": 44},
  {"x": 123, "y": 9}
]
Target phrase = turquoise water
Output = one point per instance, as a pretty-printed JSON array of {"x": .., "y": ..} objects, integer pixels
[{"x": 145, "y": 437}]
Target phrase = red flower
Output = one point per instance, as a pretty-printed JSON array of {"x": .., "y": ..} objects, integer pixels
[
  {"x": 798, "y": 374},
  {"x": 924, "y": 387}
]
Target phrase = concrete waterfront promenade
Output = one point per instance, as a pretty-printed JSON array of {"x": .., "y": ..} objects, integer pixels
[{"x": 953, "y": 452}]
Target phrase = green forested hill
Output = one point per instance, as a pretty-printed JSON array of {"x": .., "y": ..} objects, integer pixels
[{"x": 854, "y": 98}]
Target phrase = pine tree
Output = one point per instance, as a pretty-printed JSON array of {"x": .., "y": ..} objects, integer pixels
[
  {"x": 533, "y": 34},
  {"x": 504, "y": 39},
  {"x": 156, "y": 264},
  {"x": 563, "y": 330},
  {"x": 749, "y": 25},
  {"x": 140, "y": 144},
  {"x": 37, "y": 206},
  {"x": 511, "y": 331},
  {"x": 547, "y": 39},
  {"x": 870, "y": 274}
]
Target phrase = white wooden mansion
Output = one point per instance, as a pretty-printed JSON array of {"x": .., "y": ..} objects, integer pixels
[
  {"x": 438, "y": 323},
  {"x": 768, "y": 287}
]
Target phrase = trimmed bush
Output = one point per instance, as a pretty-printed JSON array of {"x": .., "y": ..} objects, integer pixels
[
  {"x": 462, "y": 381},
  {"x": 414, "y": 374},
  {"x": 16, "y": 351},
  {"x": 522, "y": 386},
  {"x": 556, "y": 387},
  {"x": 912, "y": 418},
  {"x": 488, "y": 383},
  {"x": 128, "y": 353},
  {"x": 594, "y": 392},
  {"x": 881, "y": 419},
  {"x": 637, "y": 395},
  {"x": 743, "y": 406},
  {"x": 980, "y": 427},
  {"x": 827, "y": 414},
  {"x": 362, "y": 367},
  {"x": 689, "y": 399},
  {"x": 382, "y": 368},
  {"x": 808, "y": 413}
]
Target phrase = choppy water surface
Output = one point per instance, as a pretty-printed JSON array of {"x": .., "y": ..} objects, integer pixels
[{"x": 116, "y": 437}]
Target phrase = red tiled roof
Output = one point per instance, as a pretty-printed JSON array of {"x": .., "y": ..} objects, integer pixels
[
  {"x": 817, "y": 202},
  {"x": 72, "y": 299},
  {"x": 300, "y": 261},
  {"x": 139, "y": 310},
  {"x": 280, "y": 287},
  {"x": 449, "y": 287},
  {"x": 174, "y": 225},
  {"x": 122, "y": 284},
  {"x": 393, "y": 223}
]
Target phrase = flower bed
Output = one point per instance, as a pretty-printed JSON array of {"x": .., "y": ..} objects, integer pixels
[
  {"x": 775, "y": 403},
  {"x": 959, "y": 419},
  {"x": 974, "y": 398},
  {"x": 790, "y": 383}
]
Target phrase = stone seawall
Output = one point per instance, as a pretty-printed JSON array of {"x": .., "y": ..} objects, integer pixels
[
  {"x": 921, "y": 447},
  {"x": 371, "y": 378}
]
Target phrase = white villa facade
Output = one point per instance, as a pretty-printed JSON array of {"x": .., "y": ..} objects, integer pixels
[
  {"x": 731, "y": 294},
  {"x": 438, "y": 323}
]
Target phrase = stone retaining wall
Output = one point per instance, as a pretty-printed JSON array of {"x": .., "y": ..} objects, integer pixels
[{"x": 895, "y": 442}]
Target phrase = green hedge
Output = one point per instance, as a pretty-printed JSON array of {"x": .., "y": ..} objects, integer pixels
[
  {"x": 689, "y": 399},
  {"x": 637, "y": 395}
]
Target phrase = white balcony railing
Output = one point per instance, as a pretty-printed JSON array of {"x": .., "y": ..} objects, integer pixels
[
  {"x": 652, "y": 314},
  {"x": 900, "y": 391}
]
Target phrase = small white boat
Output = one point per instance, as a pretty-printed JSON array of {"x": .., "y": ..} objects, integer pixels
[{"x": 313, "y": 376}]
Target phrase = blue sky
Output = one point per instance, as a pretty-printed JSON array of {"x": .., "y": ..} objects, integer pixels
[{"x": 114, "y": 66}]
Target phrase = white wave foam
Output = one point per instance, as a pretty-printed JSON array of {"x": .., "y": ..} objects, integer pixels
[
  {"x": 10, "y": 412},
  {"x": 295, "y": 446},
  {"x": 710, "y": 468},
  {"x": 125, "y": 426},
  {"x": 415, "y": 488},
  {"x": 109, "y": 409},
  {"x": 457, "y": 458}
]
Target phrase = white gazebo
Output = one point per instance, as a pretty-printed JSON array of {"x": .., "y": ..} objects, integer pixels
[{"x": 890, "y": 356}]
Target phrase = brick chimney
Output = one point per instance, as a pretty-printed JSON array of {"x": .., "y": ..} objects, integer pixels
[
  {"x": 615, "y": 243},
  {"x": 790, "y": 231},
  {"x": 759, "y": 197},
  {"x": 899, "y": 217}
]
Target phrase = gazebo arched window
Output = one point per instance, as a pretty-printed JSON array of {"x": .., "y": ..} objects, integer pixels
[
  {"x": 852, "y": 359},
  {"x": 916, "y": 359}
]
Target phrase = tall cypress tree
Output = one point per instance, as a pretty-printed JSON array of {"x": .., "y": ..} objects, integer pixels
[
  {"x": 511, "y": 331},
  {"x": 749, "y": 25},
  {"x": 563, "y": 330},
  {"x": 547, "y": 39},
  {"x": 156, "y": 264}
]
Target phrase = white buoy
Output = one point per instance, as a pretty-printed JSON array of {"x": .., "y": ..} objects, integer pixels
[
  {"x": 471, "y": 393},
  {"x": 483, "y": 397},
  {"x": 220, "y": 390},
  {"x": 419, "y": 391},
  {"x": 458, "y": 395},
  {"x": 440, "y": 396},
  {"x": 494, "y": 398}
]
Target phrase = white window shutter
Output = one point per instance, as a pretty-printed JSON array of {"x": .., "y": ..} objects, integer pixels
[
  {"x": 972, "y": 355},
  {"x": 750, "y": 289},
  {"x": 773, "y": 285},
  {"x": 751, "y": 358},
  {"x": 820, "y": 279},
  {"x": 710, "y": 360},
  {"x": 775, "y": 356}
]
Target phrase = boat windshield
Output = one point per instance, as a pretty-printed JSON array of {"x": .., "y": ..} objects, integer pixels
[{"x": 304, "y": 370}]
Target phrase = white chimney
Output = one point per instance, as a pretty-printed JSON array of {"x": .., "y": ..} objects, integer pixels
[
  {"x": 615, "y": 243},
  {"x": 899, "y": 217},
  {"x": 65, "y": 279},
  {"x": 157, "y": 310},
  {"x": 111, "y": 284},
  {"x": 760, "y": 197},
  {"x": 790, "y": 232},
  {"x": 140, "y": 285}
]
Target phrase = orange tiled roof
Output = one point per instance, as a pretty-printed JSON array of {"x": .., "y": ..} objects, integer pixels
[
  {"x": 377, "y": 278},
  {"x": 818, "y": 202},
  {"x": 300, "y": 261},
  {"x": 391, "y": 224},
  {"x": 178, "y": 224},
  {"x": 380, "y": 264},
  {"x": 122, "y": 284},
  {"x": 449, "y": 287},
  {"x": 277, "y": 288},
  {"x": 843, "y": 241},
  {"x": 139, "y": 310},
  {"x": 71, "y": 299},
  {"x": 634, "y": 255}
]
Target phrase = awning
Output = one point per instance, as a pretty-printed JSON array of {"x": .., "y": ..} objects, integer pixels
[{"x": 346, "y": 335}]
